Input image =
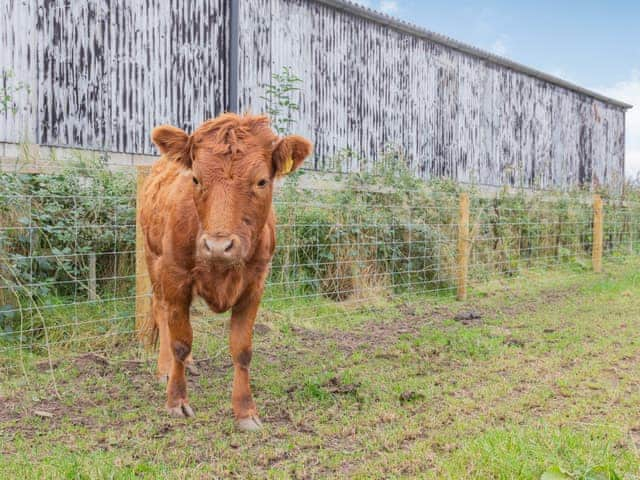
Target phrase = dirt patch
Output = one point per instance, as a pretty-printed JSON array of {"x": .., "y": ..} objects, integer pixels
[
  {"x": 514, "y": 342},
  {"x": 79, "y": 394},
  {"x": 411, "y": 396},
  {"x": 261, "y": 329},
  {"x": 30, "y": 418},
  {"x": 92, "y": 364},
  {"x": 214, "y": 366},
  {"x": 380, "y": 334},
  {"x": 335, "y": 385},
  {"x": 163, "y": 430},
  {"x": 8, "y": 408},
  {"x": 374, "y": 334},
  {"x": 306, "y": 335},
  {"x": 45, "y": 365},
  {"x": 526, "y": 304},
  {"x": 468, "y": 317},
  {"x": 377, "y": 335}
]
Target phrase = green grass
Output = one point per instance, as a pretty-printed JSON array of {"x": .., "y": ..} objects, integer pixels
[{"x": 547, "y": 376}]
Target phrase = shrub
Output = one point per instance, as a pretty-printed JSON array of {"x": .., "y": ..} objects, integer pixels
[{"x": 50, "y": 224}]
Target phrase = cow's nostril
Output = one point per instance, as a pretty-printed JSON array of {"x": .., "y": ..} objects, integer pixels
[{"x": 229, "y": 246}]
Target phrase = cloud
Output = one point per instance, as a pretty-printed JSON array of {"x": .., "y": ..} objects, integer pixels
[{"x": 629, "y": 91}]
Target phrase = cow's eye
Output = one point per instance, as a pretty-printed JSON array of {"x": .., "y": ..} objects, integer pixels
[
  {"x": 195, "y": 180},
  {"x": 263, "y": 182}
]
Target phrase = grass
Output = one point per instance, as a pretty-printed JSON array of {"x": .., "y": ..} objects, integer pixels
[{"x": 548, "y": 375}]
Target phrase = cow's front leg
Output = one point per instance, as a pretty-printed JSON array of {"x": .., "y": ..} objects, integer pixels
[
  {"x": 165, "y": 356},
  {"x": 242, "y": 319},
  {"x": 181, "y": 337}
]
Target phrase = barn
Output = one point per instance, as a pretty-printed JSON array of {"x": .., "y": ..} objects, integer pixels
[{"x": 102, "y": 73}]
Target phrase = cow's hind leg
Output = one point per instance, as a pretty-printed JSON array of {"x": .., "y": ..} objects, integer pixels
[
  {"x": 181, "y": 337},
  {"x": 244, "y": 408}
]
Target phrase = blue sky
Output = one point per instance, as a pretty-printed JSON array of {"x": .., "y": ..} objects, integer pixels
[{"x": 595, "y": 44}]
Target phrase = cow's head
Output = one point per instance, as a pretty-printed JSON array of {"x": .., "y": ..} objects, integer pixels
[{"x": 232, "y": 161}]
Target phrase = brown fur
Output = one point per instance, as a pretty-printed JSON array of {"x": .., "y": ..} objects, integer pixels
[{"x": 234, "y": 160}]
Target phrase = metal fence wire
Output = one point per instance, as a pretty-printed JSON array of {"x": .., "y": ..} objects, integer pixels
[{"x": 68, "y": 251}]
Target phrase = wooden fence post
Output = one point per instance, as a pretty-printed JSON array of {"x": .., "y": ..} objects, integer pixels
[
  {"x": 143, "y": 283},
  {"x": 463, "y": 246},
  {"x": 598, "y": 234},
  {"x": 92, "y": 295}
]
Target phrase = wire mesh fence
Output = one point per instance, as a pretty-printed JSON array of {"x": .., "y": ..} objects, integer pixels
[{"x": 68, "y": 251}]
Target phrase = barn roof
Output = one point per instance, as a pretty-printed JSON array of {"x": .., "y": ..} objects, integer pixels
[{"x": 406, "y": 27}]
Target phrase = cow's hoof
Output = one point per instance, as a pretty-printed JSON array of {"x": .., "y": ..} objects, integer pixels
[
  {"x": 249, "y": 424},
  {"x": 182, "y": 411}
]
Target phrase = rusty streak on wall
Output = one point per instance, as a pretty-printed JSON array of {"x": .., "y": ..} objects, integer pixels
[{"x": 104, "y": 72}]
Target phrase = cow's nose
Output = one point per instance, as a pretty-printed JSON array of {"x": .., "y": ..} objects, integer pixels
[
  {"x": 215, "y": 245},
  {"x": 219, "y": 246}
]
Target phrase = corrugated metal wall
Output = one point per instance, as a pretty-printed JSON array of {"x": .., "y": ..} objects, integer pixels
[
  {"x": 18, "y": 52},
  {"x": 104, "y": 72},
  {"x": 367, "y": 85}
]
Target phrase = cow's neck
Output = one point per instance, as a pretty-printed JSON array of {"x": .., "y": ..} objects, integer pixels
[{"x": 220, "y": 288}]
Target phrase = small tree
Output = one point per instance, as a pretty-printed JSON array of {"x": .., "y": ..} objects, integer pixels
[{"x": 279, "y": 98}]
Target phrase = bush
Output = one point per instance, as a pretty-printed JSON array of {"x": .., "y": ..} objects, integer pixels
[{"x": 50, "y": 224}]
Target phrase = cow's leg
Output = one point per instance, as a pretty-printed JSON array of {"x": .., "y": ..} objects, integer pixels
[
  {"x": 181, "y": 337},
  {"x": 242, "y": 319},
  {"x": 165, "y": 356}
]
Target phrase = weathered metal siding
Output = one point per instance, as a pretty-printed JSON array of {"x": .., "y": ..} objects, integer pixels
[
  {"x": 18, "y": 54},
  {"x": 367, "y": 85},
  {"x": 105, "y": 72}
]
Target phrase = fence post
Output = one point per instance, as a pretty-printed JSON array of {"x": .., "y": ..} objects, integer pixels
[
  {"x": 598, "y": 234},
  {"x": 143, "y": 283},
  {"x": 92, "y": 295},
  {"x": 463, "y": 246}
]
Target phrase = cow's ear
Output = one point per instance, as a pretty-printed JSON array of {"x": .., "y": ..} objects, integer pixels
[
  {"x": 289, "y": 154},
  {"x": 174, "y": 142}
]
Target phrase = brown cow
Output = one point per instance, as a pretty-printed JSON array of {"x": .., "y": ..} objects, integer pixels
[{"x": 209, "y": 230}]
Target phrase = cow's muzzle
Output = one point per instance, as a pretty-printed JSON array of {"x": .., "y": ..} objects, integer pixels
[{"x": 221, "y": 247}]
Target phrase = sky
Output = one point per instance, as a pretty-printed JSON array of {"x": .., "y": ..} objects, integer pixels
[{"x": 594, "y": 44}]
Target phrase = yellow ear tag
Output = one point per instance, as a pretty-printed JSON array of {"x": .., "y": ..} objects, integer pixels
[{"x": 288, "y": 165}]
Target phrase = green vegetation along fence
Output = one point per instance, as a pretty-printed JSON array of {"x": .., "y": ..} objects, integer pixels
[{"x": 69, "y": 282}]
